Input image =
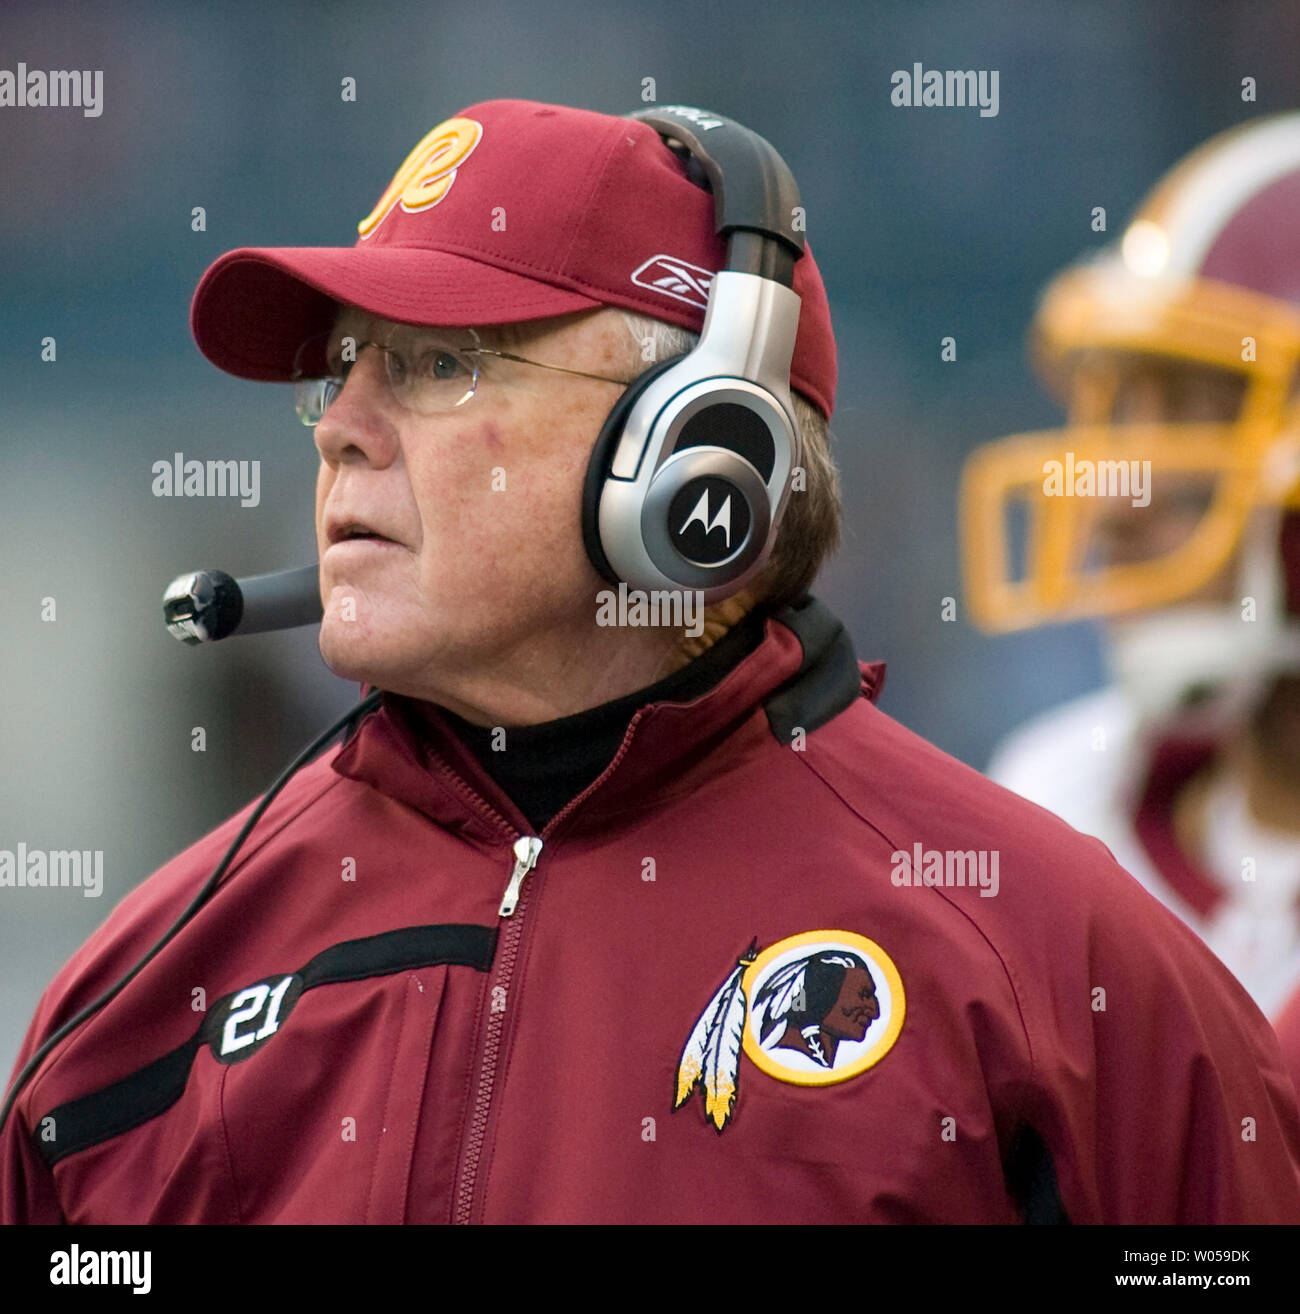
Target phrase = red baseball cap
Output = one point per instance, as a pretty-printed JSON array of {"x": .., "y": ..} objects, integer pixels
[{"x": 511, "y": 211}]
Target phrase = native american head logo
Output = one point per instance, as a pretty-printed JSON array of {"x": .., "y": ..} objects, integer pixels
[{"x": 812, "y": 1009}]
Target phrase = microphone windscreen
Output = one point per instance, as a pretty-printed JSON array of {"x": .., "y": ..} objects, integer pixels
[
  {"x": 202, "y": 605},
  {"x": 205, "y": 605}
]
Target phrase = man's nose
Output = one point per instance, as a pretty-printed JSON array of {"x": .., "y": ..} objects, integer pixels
[{"x": 360, "y": 423}]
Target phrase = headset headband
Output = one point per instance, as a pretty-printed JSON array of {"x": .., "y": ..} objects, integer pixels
[{"x": 754, "y": 191}]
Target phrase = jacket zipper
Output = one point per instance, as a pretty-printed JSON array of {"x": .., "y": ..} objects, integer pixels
[
  {"x": 526, "y": 849},
  {"x": 514, "y": 903}
]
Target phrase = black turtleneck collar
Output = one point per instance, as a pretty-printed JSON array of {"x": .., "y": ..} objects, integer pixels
[{"x": 544, "y": 766}]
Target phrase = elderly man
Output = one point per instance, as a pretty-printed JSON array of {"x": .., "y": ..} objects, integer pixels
[{"x": 614, "y": 923}]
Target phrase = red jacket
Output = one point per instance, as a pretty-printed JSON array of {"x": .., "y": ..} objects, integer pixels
[
  {"x": 1288, "y": 1035},
  {"x": 741, "y": 984}
]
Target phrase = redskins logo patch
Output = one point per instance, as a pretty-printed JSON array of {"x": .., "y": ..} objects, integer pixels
[
  {"x": 812, "y": 1010},
  {"x": 427, "y": 173}
]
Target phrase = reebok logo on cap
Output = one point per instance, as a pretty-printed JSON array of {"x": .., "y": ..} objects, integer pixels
[{"x": 675, "y": 278}]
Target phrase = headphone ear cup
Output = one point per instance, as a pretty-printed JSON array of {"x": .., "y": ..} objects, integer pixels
[
  {"x": 698, "y": 490},
  {"x": 602, "y": 454}
]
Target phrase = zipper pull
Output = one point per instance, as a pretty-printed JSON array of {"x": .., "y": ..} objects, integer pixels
[{"x": 527, "y": 847}]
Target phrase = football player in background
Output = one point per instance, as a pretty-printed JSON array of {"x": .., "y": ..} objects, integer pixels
[{"x": 1169, "y": 506}]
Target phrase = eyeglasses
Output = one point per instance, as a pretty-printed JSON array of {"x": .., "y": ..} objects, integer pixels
[{"x": 428, "y": 373}]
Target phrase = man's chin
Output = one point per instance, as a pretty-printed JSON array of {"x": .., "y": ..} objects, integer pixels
[{"x": 360, "y": 658}]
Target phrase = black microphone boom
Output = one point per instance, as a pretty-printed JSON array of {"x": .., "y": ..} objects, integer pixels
[{"x": 206, "y": 605}]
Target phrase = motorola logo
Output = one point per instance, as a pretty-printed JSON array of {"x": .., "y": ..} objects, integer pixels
[
  {"x": 709, "y": 520},
  {"x": 720, "y": 521}
]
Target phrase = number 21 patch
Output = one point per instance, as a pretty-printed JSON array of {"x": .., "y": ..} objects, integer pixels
[{"x": 240, "y": 1024}]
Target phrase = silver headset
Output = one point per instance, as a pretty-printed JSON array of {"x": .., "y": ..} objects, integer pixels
[{"x": 690, "y": 476}]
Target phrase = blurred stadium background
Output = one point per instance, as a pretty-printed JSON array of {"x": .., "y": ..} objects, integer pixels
[{"x": 926, "y": 223}]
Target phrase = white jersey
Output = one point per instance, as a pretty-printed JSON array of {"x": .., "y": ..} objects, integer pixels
[{"x": 1087, "y": 762}]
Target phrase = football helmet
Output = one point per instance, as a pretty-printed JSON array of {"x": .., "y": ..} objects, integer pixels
[{"x": 1202, "y": 294}]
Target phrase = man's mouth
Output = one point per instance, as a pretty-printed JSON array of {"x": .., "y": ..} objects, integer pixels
[{"x": 351, "y": 531}]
